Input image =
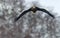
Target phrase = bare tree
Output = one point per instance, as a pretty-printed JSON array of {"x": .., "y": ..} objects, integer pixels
[{"x": 29, "y": 26}]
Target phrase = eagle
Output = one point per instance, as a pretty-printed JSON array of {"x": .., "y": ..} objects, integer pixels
[{"x": 34, "y": 9}]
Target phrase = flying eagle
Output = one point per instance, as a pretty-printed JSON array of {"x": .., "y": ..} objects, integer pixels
[{"x": 34, "y": 9}]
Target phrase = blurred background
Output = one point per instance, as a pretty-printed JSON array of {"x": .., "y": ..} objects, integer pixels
[{"x": 38, "y": 25}]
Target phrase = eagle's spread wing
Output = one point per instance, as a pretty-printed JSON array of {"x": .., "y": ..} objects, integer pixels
[
  {"x": 44, "y": 10},
  {"x": 22, "y": 14}
]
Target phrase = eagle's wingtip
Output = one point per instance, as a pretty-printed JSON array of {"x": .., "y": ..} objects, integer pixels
[{"x": 15, "y": 19}]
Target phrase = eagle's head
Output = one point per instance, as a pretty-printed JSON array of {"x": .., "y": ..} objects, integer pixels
[{"x": 33, "y": 9}]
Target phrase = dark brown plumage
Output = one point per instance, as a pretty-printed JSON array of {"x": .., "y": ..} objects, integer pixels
[{"x": 34, "y": 9}]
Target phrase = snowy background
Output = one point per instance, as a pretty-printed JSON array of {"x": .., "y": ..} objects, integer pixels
[{"x": 38, "y": 25}]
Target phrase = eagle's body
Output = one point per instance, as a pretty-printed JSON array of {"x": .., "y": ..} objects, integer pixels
[{"x": 34, "y": 9}]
